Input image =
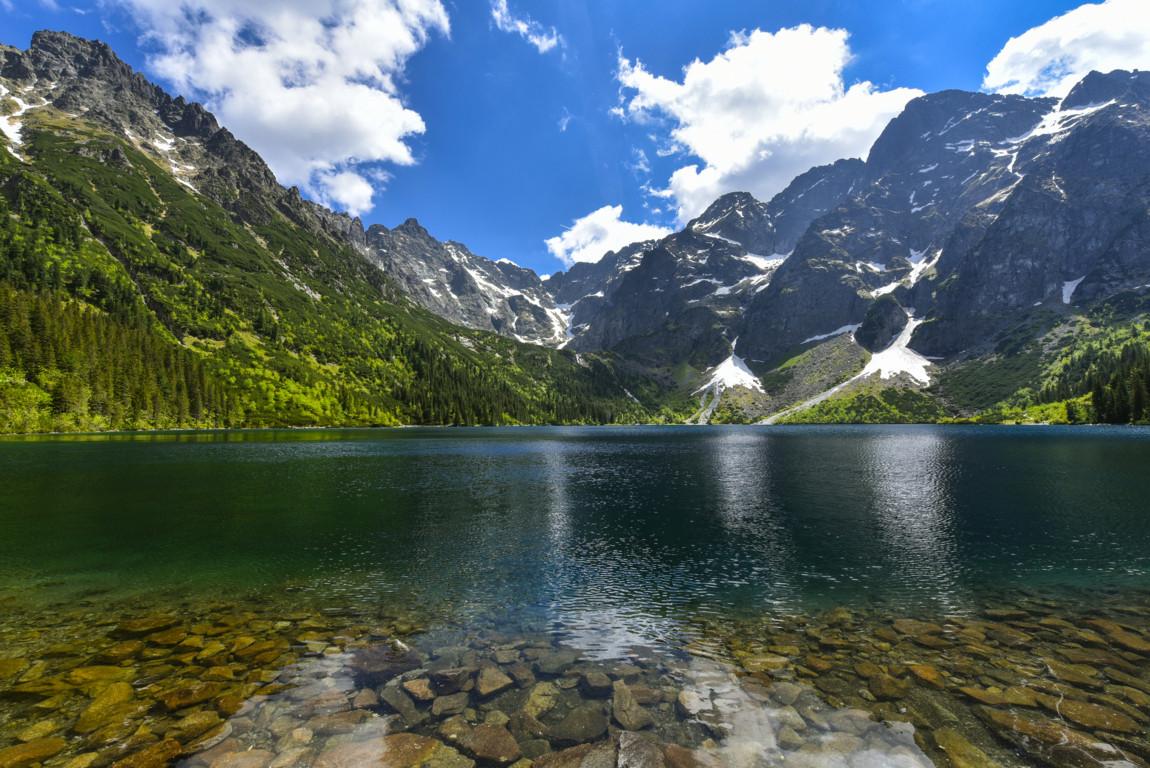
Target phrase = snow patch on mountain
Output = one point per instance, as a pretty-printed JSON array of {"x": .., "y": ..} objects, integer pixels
[
  {"x": 832, "y": 334},
  {"x": 732, "y": 372},
  {"x": 899, "y": 357},
  {"x": 1069, "y": 287},
  {"x": 1058, "y": 121},
  {"x": 883, "y": 290},
  {"x": 766, "y": 262},
  {"x": 727, "y": 240},
  {"x": 919, "y": 264},
  {"x": 10, "y": 124}
]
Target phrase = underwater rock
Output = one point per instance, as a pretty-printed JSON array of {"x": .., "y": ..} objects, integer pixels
[
  {"x": 31, "y": 753},
  {"x": 585, "y": 722},
  {"x": 626, "y": 711}
]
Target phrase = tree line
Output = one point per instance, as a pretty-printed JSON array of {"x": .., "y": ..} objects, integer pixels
[{"x": 1116, "y": 378}]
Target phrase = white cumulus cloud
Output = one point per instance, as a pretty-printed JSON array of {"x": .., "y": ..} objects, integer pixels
[
  {"x": 589, "y": 238},
  {"x": 1048, "y": 60},
  {"x": 312, "y": 85},
  {"x": 761, "y": 112},
  {"x": 346, "y": 189},
  {"x": 543, "y": 38}
]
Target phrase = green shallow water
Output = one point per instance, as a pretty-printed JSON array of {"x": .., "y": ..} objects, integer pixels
[{"x": 602, "y": 540}]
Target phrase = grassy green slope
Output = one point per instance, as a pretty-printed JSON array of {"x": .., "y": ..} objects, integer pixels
[
  {"x": 873, "y": 403},
  {"x": 1051, "y": 368},
  {"x": 129, "y": 301}
]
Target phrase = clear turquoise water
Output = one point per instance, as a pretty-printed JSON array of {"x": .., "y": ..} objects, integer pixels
[{"x": 618, "y": 532}]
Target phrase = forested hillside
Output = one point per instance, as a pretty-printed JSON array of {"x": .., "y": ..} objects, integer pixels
[
  {"x": 1117, "y": 379},
  {"x": 129, "y": 300}
]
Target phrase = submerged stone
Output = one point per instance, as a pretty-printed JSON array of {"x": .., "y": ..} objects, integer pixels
[
  {"x": 252, "y": 758},
  {"x": 121, "y": 652},
  {"x": 959, "y": 750},
  {"x": 376, "y": 665},
  {"x": 690, "y": 704},
  {"x": 107, "y": 705},
  {"x": 886, "y": 688},
  {"x": 31, "y": 753},
  {"x": 1121, "y": 636},
  {"x": 10, "y": 668},
  {"x": 928, "y": 674},
  {"x": 541, "y": 699},
  {"x": 985, "y": 696},
  {"x": 189, "y": 695},
  {"x": 419, "y": 689},
  {"x": 678, "y": 756},
  {"x": 635, "y": 751},
  {"x": 490, "y": 681},
  {"x": 37, "y": 731},
  {"x": 1048, "y": 740},
  {"x": 916, "y": 627},
  {"x": 158, "y": 755},
  {"x": 397, "y": 699},
  {"x": 595, "y": 684},
  {"x": 452, "y": 680},
  {"x": 1093, "y": 716},
  {"x": 100, "y": 674},
  {"x": 453, "y": 704},
  {"x": 399, "y": 750},
  {"x": 584, "y": 723},
  {"x": 144, "y": 626},
  {"x": 490, "y": 744},
  {"x": 195, "y": 725},
  {"x": 555, "y": 663},
  {"x": 582, "y": 756},
  {"x": 626, "y": 711}
]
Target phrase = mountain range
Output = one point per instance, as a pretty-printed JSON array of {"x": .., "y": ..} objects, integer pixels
[{"x": 989, "y": 260}]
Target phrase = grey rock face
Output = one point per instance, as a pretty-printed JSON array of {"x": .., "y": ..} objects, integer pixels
[
  {"x": 883, "y": 322},
  {"x": 682, "y": 299},
  {"x": 974, "y": 208},
  {"x": 774, "y": 228},
  {"x": 1073, "y": 227},
  {"x": 470, "y": 290},
  {"x": 970, "y": 209},
  {"x": 932, "y": 163}
]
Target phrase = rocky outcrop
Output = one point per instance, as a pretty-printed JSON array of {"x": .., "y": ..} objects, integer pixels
[
  {"x": 883, "y": 322},
  {"x": 1074, "y": 226},
  {"x": 454, "y": 283},
  {"x": 681, "y": 299},
  {"x": 973, "y": 208}
]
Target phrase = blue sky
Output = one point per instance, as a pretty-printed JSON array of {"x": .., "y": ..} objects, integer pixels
[{"x": 526, "y": 129}]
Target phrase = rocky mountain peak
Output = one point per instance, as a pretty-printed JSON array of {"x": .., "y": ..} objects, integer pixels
[
  {"x": 944, "y": 121},
  {"x": 450, "y": 280},
  {"x": 71, "y": 55},
  {"x": 729, "y": 202},
  {"x": 737, "y": 217},
  {"x": 1119, "y": 85},
  {"x": 412, "y": 228}
]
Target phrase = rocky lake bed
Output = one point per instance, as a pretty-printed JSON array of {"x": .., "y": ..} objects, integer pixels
[{"x": 265, "y": 683}]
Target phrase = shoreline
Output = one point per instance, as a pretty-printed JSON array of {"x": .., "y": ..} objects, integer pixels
[{"x": 16, "y": 436}]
